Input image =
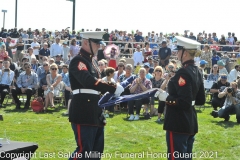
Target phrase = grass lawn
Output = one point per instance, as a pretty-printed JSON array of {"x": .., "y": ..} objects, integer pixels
[{"x": 52, "y": 132}]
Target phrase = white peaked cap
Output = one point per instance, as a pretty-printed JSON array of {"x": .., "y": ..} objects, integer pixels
[
  {"x": 93, "y": 35},
  {"x": 187, "y": 43}
]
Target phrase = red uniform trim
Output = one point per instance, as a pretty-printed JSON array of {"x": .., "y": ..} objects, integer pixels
[
  {"x": 79, "y": 140},
  {"x": 171, "y": 145}
]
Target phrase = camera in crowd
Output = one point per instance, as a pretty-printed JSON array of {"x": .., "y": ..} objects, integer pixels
[{"x": 230, "y": 90}]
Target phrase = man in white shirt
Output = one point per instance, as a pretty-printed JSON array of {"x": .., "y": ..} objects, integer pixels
[
  {"x": 56, "y": 48},
  {"x": 36, "y": 46},
  {"x": 232, "y": 76},
  {"x": 137, "y": 57}
]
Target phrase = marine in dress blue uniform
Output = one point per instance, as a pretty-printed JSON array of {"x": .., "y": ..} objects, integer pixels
[
  {"x": 85, "y": 115},
  {"x": 185, "y": 90}
]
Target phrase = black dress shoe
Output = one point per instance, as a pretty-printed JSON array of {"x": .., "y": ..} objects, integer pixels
[{"x": 18, "y": 105}]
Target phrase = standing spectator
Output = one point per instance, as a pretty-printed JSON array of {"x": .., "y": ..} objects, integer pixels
[
  {"x": 210, "y": 39},
  {"x": 215, "y": 57},
  {"x": 66, "y": 51},
  {"x": 106, "y": 36},
  {"x": 8, "y": 47},
  {"x": 161, "y": 38},
  {"x": 233, "y": 74},
  {"x": 214, "y": 36},
  {"x": 44, "y": 51},
  {"x": 5, "y": 34},
  {"x": 147, "y": 51},
  {"x": 235, "y": 38},
  {"x": 200, "y": 40},
  {"x": 139, "y": 85},
  {"x": 15, "y": 33},
  {"x": 35, "y": 45},
  {"x": 74, "y": 48},
  {"x": 139, "y": 37},
  {"x": 26, "y": 84},
  {"x": 192, "y": 36},
  {"x": 222, "y": 41},
  {"x": 230, "y": 39},
  {"x": 207, "y": 56},
  {"x": 100, "y": 54},
  {"x": 227, "y": 48},
  {"x": 56, "y": 48},
  {"x": 20, "y": 47},
  {"x": 164, "y": 54},
  {"x": 53, "y": 84},
  {"x": 138, "y": 57}
]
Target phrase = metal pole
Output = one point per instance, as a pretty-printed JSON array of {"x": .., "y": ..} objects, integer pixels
[
  {"x": 16, "y": 13},
  {"x": 3, "y": 19},
  {"x": 73, "y": 20}
]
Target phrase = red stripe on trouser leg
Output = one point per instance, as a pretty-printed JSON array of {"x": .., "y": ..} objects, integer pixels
[
  {"x": 171, "y": 145},
  {"x": 79, "y": 142}
]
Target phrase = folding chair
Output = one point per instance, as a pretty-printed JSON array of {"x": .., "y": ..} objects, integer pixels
[
  {"x": 207, "y": 86},
  {"x": 60, "y": 99}
]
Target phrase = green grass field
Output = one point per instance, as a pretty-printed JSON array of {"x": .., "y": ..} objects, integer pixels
[{"x": 144, "y": 139}]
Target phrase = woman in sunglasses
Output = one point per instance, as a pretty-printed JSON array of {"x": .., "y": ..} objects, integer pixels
[
  {"x": 157, "y": 81},
  {"x": 53, "y": 83}
]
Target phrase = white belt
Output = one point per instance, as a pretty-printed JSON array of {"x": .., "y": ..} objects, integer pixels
[
  {"x": 193, "y": 103},
  {"x": 88, "y": 91}
]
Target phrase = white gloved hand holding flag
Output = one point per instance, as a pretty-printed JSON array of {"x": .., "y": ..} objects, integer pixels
[
  {"x": 119, "y": 90},
  {"x": 161, "y": 94}
]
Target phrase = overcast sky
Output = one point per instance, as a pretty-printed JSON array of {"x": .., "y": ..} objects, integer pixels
[{"x": 220, "y": 16}]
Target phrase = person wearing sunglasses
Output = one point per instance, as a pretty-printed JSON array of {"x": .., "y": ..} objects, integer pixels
[
  {"x": 26, "y": 83},
  {"x": 86, "y": 117},
  {"x": 185, "y": 90},
  {"x": 102, "y": 67},
  {"x": 53, "y": 85}
]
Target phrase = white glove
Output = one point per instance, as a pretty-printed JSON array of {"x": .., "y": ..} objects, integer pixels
[
  {"x": 163, "y": 95},
  {"x": 119, "y": 90},
  {"x": 157, "y": 94}
]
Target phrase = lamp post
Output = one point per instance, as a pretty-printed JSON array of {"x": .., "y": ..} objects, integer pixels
[
  {"x": 16, "y": 13},
  {"x": 73, "y": 14},
  {"x": 4, "y": 11}
]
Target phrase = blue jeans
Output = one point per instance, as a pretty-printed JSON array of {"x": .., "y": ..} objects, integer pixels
[
  {"x": 90, "y": 139},
  {"x": 224, "y": 112},
  {"x": 178, "y": 144}
]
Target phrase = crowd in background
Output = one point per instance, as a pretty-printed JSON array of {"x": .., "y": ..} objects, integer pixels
[{"x": 40, "y": 63}]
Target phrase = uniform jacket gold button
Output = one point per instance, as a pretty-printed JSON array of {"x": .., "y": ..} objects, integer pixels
[{"x": 88, "y": 100}]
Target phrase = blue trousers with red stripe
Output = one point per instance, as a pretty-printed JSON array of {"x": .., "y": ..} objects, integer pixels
[
  {"x": 90, "y": 139},
  {"x": 179, "y": 146}
]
